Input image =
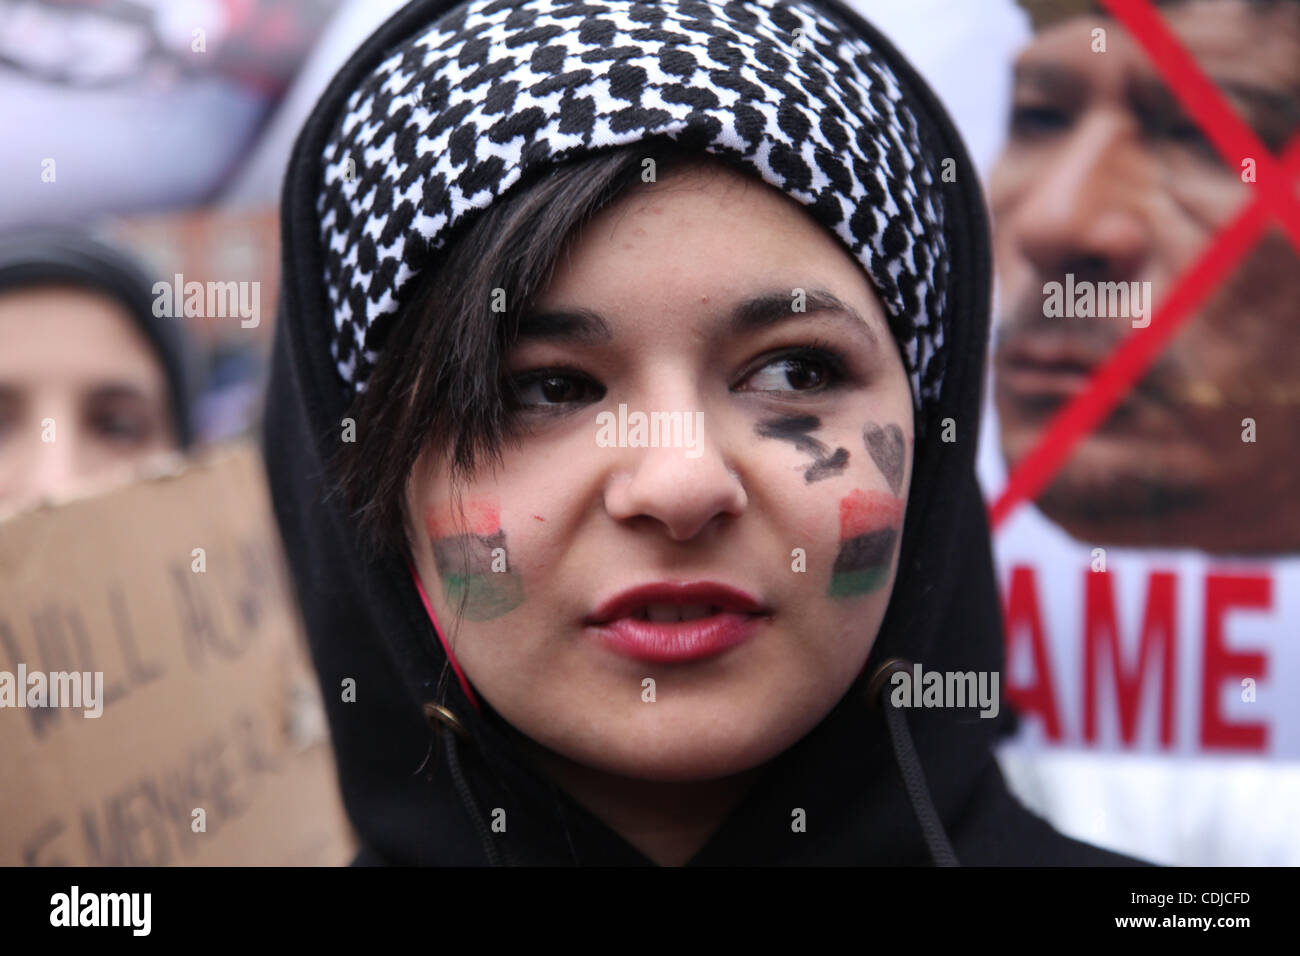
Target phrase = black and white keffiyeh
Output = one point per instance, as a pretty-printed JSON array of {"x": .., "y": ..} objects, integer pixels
[{"x": 496, "y": 88}]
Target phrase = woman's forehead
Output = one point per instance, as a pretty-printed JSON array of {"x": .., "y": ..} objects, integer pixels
[
  {"x": 711, "y": 318},
  {"x": 723, "y": 237}
]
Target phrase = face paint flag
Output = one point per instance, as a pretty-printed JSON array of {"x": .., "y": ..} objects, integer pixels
[
  {"x": 473, "y": 566},
  {"x": 868, "y": 531}
]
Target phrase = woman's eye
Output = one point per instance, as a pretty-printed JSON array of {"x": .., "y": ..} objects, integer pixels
[
  {"x": 797, "y": 373},
  {"x": 556, "y": 389}
]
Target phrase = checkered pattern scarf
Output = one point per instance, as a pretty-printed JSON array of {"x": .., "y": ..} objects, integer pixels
[{"x": 495, "y": 89}]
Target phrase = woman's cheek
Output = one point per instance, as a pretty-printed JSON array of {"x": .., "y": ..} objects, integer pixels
[
  {"x": 471, "y": 552},
  {"x": 870, "y": 520},
  {"x": 888, "y": 450},
  {"x": 870, "y": 523}
]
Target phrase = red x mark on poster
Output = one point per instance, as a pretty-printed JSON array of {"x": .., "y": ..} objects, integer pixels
[{"x": 1275, "y": 182}]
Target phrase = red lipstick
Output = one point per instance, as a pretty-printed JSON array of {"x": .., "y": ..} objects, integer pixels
[{"x": 672, "y": 621}]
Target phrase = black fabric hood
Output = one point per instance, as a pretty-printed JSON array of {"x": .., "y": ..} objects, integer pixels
[{"x": 415, "y": 790}]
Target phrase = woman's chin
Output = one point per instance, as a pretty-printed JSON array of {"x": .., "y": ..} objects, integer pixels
[{"x": 680, "y": 751}]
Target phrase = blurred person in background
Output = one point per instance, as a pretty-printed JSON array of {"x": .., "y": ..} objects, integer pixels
[
  {"x": 1105, "y": 177},
  {"x": 92, "y": 382}
]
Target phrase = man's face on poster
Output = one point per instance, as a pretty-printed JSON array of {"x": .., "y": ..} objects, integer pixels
[{"x": 1106, "y": 178}]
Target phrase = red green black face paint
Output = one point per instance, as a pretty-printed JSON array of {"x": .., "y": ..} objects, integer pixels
[
  {"x": 470, "y": 553},
  {"x": 795, "y": 429},
  {"x": 869, "y": 522}
]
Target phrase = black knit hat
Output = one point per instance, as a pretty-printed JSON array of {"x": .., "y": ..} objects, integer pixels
[{"x": 64, "y": 256}]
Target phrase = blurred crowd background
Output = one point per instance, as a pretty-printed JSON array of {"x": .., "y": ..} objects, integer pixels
[{"x": 1152, "y": 591}]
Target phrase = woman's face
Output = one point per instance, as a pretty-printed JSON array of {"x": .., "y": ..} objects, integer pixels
[{"x": 780, "y": 496}]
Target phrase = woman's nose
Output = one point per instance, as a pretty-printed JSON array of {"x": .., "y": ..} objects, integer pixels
[{"x": 685, "y": 487}]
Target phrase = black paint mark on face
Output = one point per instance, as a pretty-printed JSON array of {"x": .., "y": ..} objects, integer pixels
[
  {"x": 795, "y": 429},
  {"x": 886, "y": 447}
]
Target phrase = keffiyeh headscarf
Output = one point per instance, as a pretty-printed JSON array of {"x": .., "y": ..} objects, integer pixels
[{"x": 495, "y": 89}]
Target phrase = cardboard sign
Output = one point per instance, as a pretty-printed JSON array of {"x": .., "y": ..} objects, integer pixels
[{"x": 209, "y": 745}]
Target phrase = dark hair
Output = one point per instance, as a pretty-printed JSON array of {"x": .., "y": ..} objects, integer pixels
[{"x": 438, "y": 378}]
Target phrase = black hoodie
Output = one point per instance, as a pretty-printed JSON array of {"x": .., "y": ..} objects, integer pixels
[{"x": 879, "y": 786}]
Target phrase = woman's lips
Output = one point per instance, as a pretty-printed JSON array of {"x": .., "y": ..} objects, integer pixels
[
  {"x": 663, "y": 642},
  {"x": 632, "y": 623}
]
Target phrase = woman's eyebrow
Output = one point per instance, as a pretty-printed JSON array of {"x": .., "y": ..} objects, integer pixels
[
  {"x": 587, "y": 327},
  {"x": 577, "y": 325},
  {"x": 770, "y": 308}
]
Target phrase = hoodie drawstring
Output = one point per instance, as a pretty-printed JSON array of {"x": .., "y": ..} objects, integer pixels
[
  {"x": 450, "y": 728},
  {"x": 467, "y": 798},
  {"x": 909, "y": 765}
]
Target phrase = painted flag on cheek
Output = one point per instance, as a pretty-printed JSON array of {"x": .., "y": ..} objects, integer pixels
[
  {"x": 474, "y": 566},
  {"x": 868, "y": 532}
]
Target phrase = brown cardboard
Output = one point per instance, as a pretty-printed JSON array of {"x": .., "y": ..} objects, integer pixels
[{"x": 208, "y": 697}]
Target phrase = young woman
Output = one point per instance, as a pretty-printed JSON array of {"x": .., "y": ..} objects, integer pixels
[{"x": 621, "y": 433}]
